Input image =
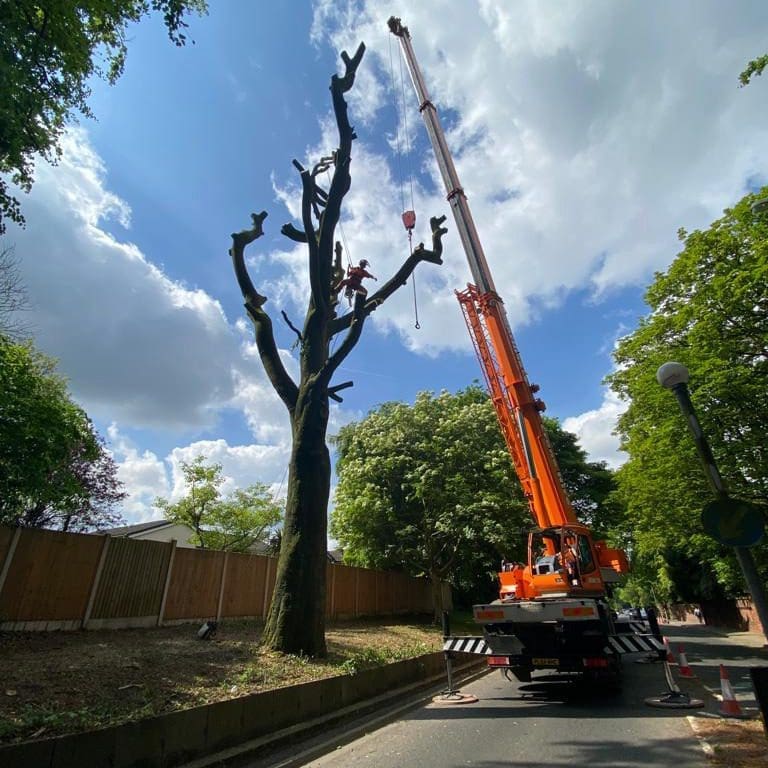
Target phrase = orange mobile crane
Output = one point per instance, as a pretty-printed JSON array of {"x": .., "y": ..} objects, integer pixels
[{"x": 552, "y": 611}]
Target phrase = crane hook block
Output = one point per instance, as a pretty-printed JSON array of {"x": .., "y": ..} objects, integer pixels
[{"x": 409, "y": 220}]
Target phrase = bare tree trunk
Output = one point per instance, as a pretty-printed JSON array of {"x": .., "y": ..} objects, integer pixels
[
  {"x": 296, "y": 619},
  {"x": 437, "y": 597}
]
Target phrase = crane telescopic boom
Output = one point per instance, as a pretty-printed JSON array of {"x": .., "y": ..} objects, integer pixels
[{"x": 518, "y": 410}]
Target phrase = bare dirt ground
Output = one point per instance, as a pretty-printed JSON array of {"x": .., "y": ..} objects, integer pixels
[
  {"x": 732, "y": 743},
  {"x": 52, "y": 683}
]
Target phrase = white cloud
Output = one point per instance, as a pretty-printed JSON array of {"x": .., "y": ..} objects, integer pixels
[
  {"x": 595, "y": 430},
  {"x": 146, "y": 477},
  {"x": 136, "y": 346},
  {"x": 242, "y": 465},
  {"x": 140, "y": 350},
  {"x": 585, "y": 134}
]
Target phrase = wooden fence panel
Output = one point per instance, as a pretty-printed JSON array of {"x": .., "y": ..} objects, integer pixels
[
  {"x": 195, "y": 584},
  {"x": 366, "y": 592},
  {"x": 132, "y": 579},
  {"x": 402, "y": 586},
  {"x": 6, "y": 536},
  {"x": 344, "y": 595},
  {"x": 244, "y": 585},
  {"x": 330, "y": 587},
  {"x": 50, "y": 576},
  {"x": 384, "y": 593}
]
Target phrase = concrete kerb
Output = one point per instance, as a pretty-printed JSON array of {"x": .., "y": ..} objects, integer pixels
[
  {"x": 357, "y": 716},
  {"x": 238, "y": 726}
]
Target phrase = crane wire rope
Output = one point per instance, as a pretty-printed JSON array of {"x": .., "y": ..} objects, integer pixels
[{"x": 407, "y": 162}]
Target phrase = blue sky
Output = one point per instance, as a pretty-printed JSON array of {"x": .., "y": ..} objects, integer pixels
[{"x": 585, "y": 135}]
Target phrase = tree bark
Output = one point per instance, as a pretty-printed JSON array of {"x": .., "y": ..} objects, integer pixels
[{"x": 296, "y": 619}]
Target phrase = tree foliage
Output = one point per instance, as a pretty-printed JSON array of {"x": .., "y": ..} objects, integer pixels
[
  {"x": 54, "y": 469},
  {"x": 430, "y": 489},
  {"x": 49, "y": 50},
  {"x": 709, "y": 311},
  {"x": 232, "y": 523},
  {"x": 753, "y": 69}
]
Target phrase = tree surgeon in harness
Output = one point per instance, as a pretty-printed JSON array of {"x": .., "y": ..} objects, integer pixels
[{"x": 353, "y": 282}]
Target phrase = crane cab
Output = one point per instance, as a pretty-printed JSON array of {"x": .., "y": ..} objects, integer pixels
[{"x": 563, "y": 561}]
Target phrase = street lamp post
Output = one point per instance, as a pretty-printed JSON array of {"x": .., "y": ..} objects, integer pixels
[{"x": 674, "y": 376}]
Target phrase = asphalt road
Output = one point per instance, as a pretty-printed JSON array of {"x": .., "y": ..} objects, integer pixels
[{"x": 546, "y": 724}]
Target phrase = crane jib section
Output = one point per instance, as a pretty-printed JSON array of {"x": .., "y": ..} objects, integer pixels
[{"x": 517, "y": 410}]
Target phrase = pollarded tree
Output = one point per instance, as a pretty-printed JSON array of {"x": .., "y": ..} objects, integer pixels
[{"x": 296, "y": 620}]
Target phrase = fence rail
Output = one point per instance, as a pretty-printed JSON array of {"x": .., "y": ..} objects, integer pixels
[{"x": 54, "y": 580}]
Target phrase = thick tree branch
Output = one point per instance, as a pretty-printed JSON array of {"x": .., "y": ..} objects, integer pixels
[
  {"x": 357, "y": 320},
  {"x": 401, "y": 276},
  {"x": 337, "y": 388},
  {"x": 262, "y": 323},
  {"x": 341, "y": 181},
  {"x": 239, "y": 241},
  {"x": 318, "y": 287},
  {"x": 293, "y": 234}
]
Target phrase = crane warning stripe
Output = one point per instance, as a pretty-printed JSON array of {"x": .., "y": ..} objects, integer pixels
[
  {"x": 635, "y": 644},
  {"x": 467, "y": 645},
  {"x": 583, "y": 610}
]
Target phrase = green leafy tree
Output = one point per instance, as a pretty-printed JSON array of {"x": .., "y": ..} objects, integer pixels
[
  {"x": 430, "y": 489},
  {"x": 49, "y": 50},
  {"x": 233, "y": 523},
  {"x": 709, "y": 311},
  {"x": 753, "y": 69},
  {"x": 54, "y": 469}
]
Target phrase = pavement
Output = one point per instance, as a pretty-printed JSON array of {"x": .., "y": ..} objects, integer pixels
[{"x": 706, "y": 648}]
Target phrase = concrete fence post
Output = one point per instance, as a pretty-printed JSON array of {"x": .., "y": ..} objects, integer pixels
[
  {"x": 9, "y": 557},
  {"x": 167, "y": 584},
  {"x": 96, "y": 580}
]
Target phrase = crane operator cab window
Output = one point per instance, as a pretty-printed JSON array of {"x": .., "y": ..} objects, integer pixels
[
  {"x": 545, "y": 552},
  {"x": 561, "y": 550}
]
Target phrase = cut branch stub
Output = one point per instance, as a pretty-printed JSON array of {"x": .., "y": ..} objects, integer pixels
[
  {"x": 253, "y": 299},
  {"x": 348, "y": 80}
]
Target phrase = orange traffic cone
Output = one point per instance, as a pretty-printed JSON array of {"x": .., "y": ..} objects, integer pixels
[
  {"x": 729, "y": 706},
  {"x": 670, "y": 657},
  {"x": 683, "y": 669}
]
